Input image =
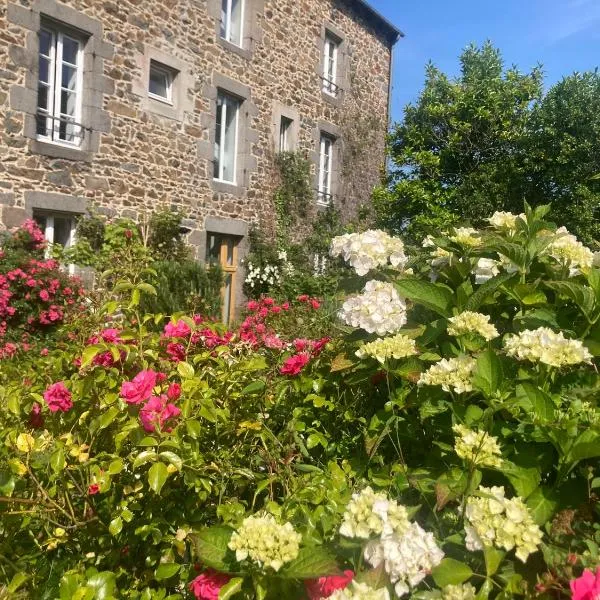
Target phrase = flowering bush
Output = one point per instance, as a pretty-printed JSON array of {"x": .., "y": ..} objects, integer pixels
[
  {"x": 35, "y": 295},
  {"x": 455, "y": 458}
]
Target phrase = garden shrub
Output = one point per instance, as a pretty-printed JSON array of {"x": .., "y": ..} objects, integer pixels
[
  {"x": 35, "y": 295},
  {"x": 444, "y": 445}
]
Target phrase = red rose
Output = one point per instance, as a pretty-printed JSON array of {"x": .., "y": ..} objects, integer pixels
[
  {"x": 208, "y": 585},
  {"x": 325, "y": 586}
]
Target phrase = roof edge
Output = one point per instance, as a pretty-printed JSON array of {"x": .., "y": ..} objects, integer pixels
[{"x": 391, "y": 31}]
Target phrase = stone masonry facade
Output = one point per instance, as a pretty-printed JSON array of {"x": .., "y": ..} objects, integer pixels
[{"x": 139, "y": 154}]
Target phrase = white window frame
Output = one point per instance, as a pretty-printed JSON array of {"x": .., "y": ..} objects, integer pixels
[
  {"x": 330, "y": 65},
  {"x": 227, "y": 21},
  {"x": 54, "y": 85},
  {"x": 49, "y": 232},
  {"x": 221, "y": 156},
  {"x": 285, "y": 130},
  {"x": 326, "y": 147},
  {"x": 170, "y": 77}
]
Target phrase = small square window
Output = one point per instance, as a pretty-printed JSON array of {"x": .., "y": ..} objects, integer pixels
[{"x": 160, "y": 86}]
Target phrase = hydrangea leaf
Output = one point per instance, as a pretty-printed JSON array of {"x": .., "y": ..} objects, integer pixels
[
  {"x": 451, "y": 572},
  {"x": 310, "y": 563}
]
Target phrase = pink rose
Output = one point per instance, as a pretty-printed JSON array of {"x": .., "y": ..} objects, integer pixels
[
  {"x": 44, "y": 295},
  {"x": 253, "y": 305},
  {"x": 93, "y": 489},
  {"x": 294, "y": 364},
  {"x": 174, "y": 392},
  {"x": 208, "y": 585},
  {"x": 177, "y": 330},
  {"x": 325, "y": 586},
  {"x": 58, "y": 397},
  {"x": 176, "y": 352},
  {"x": 140, "y": 388},
  {"x": 156, "y": 413},
  {"x": 111, "y": 336},
  {"x": 586, "y": 587}
]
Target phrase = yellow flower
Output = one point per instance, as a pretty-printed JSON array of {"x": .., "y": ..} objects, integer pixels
[{"x": 472, "y": 322}]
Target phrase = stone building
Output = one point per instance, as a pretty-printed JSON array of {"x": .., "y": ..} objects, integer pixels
[{"x": 135, "y": 105}]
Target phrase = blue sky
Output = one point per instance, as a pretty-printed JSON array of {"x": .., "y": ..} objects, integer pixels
[{"x": 563, "y": 35}]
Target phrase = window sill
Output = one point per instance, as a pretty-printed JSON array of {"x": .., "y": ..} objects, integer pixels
[
  {"x": 160, "y": 99},
  {"x": 243, "y": 52},
  {"x": 163, "y": 108},
  {"x": 59, "y": 151},
  {"x": 226, "y": 187},
  {"x": 335, "y": 100}
]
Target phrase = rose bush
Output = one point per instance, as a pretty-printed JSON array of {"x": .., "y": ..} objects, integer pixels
[{"x": 441, "y": 441}]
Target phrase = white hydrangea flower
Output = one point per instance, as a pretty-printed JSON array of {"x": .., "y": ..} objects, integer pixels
[
  {"x": 494, "y": 520},
  {"x": 379, "y": 309},
  {"x": 485, "y": 269},
  {"x": 262, "y": 539},
  {"x": 570, "y": 252},
  {"x": 407, "y": 558},
  {"x": 453, "y": 374},
  {"x": 546, "y": 346},
  {"x": 505, "y": 220},
  {"x": 372, "y": 513},
  {"x": 472, "y": 322},
  {"x": 466, "y": 236},
  {"x": 477, "y": 447},
  {"x": 397, "y": 346},
  {"x": 360, "y": 591},
  {"x": 369, "y": 250}
]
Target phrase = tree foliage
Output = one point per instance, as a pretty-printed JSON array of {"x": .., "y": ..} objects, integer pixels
[{"x": 490, "y": 138}]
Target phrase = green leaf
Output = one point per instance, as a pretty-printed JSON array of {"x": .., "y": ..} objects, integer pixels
[
  {"x": 7, "y": 483},
  {"x": 116, "y": 466},
  {"x": 256, "y": 386},
  {"x": 451, "y": 572},
  {"x": 488, "y": 373},
  {"x": 57, "y": 460},
  {"x": 144, "y": 457},
  {"x": 587, "y": 445},
  {"x": 493, "y": 558},
  {"x": 166, "y": 571},
  {"x": 212, "y": 548},
  {"x": 486, "y": 289},
  {"x": 311, "y": 563},
  {"x": 68, "y": 586},
  {"x": 194, "y": 428},
  {"x": 147, "y": 288},
  {"x": 581, "y": 295},
  {"x": 431, "y": 295},
  {"x": 536, "y": 401},
  {"x": 115, "y": 526},
  {"x": 542, "y": 504},
  {"x": 157, "y": 475},
  {"x": 172, "y": 458},
  {"x": 106, "y": 418},
  {"x": 257, "y": 363},
  {"x": 17, "y": 581},
  {"x": 231, "y": 588},
  {"x": 89, "y": 354},
  {"x": 523, "y": 479},
  {"x": 185, "y": 370},
  {"x": 103, "y": 584}
]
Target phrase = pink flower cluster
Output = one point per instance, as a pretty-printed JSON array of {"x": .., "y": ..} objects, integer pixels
[
  {"x": 35, "y": 294},
  {"x": 107, "y": 336},
  {"x": 586, "y": 587},
  {"x": 179, "y": 338},
  {"x": 208, "y": 585},
  {"x": 157, "y": 411}
]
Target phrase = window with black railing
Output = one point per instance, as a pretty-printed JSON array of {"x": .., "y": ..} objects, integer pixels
[
  {"x": 60, "y": 83},
  {"x": 330, "y": 66},
  {"x": 324, "y": 189}
]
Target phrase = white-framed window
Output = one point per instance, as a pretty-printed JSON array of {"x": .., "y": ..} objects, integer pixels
[
  {"x": 285, "y": 131},
  {"x": 232, "y": 19},
  {"x": 160, "y": 84},
  {"x": 324, "y": 193},
  {"x": 60, "y": 87},
  {"x": 58, "y": 228},
  {"x": 330, "y": 65},
  {"x": 226, "y": 137}
]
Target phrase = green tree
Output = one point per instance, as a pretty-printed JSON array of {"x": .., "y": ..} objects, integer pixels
[
  {"x": 565, "y": 153},
  {"x": 462, "y": 150}
]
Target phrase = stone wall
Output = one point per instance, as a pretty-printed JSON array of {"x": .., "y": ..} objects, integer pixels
[{"x": 142, "y": 155}]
